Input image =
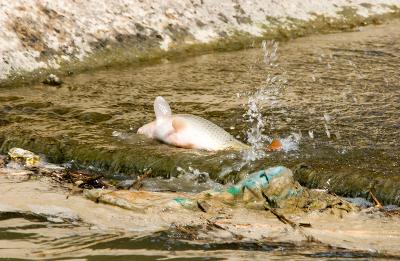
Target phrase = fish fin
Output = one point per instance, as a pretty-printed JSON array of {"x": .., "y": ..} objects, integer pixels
[
  {"x": 161, "y": 108},
  {"x": 276, "y": 145},
  {"x": 178, "y": 124}
]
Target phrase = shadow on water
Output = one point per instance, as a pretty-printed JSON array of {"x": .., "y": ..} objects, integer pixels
[{"x": 342, "y": 98}]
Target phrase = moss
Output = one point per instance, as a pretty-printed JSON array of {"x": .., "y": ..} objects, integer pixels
[
  {"x": 355, "y": 184},
  {"x": 108, "y": 155}
]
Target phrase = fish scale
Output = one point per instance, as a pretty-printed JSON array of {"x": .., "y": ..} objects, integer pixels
[
  {"x": 187, "y": 131},
  {"x": 217, "y": 134}
]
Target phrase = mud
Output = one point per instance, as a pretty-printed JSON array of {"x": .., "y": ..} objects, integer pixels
[{"x": 56, "y": 223}]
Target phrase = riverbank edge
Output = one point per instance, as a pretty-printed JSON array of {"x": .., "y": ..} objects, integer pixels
[
  {"x": 353, "y": 233},
  {"x": 131, "y": 51}
]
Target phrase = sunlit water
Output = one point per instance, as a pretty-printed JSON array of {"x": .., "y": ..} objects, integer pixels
[
  {"x": 333, "y": 99},
  {"x": 40, "y": 240}
]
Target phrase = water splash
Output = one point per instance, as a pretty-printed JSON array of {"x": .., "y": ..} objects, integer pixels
[
  {"x": 120, "y": 135},
  {"x": 259, "y": 132},
  {"x": 291, "y": 142},
  {"x": 264, "y": 96},
  {"x": 195, "y": 178}
]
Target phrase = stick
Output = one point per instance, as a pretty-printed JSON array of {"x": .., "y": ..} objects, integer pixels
[
  {"x": 375, "y": 199},
  {"x": 138, "y": 182},
  {"x": 285, "y": 220},
  {"x": 282, "y": 218}
]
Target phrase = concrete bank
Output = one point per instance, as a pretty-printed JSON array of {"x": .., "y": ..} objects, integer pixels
[{"x": 39, "y": 36}]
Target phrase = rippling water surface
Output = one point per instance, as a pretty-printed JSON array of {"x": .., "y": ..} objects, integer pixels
[
  {"x": 341, "y": 99},
  {"x": 29, "y": 238}
]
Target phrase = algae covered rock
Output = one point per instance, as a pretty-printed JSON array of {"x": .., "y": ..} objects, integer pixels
[
  {"x": 274, "y": 184},
  {"x": 273, "y": 187},
  {"x": 276, "y": 187}
]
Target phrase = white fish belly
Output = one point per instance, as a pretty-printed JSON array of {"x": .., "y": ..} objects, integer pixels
[{"x": 203, "y": 134}]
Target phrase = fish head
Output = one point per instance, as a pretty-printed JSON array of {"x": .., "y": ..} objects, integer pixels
[{"x": 148, "y": 129}]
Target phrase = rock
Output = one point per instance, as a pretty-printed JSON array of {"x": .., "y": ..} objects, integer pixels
[
  {"x": 277, "y": 188},
  {"x": 24, "y": 157},
  {"x": 125, "y": 184},
  {"x": 360, "y": 202},
  {"x": 78, "y": 183},
  {"x": 51, "y": 170},
  {"x": 17, "y": 175},
  {"x": 274, "y": 183},
  {"x": 52, "y": 80},
  {"x": 273, "y": 187}
]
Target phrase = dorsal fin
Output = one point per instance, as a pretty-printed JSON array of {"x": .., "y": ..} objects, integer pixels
[{"x": 161, "y": 108}]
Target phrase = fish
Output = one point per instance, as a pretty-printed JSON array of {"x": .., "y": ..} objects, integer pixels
[{"x": 187, "y": 131}]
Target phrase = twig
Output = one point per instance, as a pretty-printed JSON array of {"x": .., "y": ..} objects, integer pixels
[
  {"x": 375, "y": 199},
  {"x": 282, "y": 218},
  {"x": 215, "y": 225},
  {"x": 294, "y": 225},
  {"x": 371, "y": 190},
  {"x": 137, "y": 184}
]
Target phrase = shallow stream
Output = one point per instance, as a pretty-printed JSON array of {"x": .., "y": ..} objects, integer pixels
[{"x": 339, "y": 98}]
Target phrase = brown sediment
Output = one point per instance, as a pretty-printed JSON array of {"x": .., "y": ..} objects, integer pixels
[{"x": 356, "y": 231}]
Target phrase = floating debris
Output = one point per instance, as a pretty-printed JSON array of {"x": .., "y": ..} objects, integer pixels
[
  {"x": 274, "y": 187},
  {"x": 311, "y": 134},
  {"x": 52, "y": 80},
  {"x": 24, "y": 157}
]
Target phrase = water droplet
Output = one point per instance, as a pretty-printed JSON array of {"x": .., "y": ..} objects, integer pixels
[
  {"x": 327, "y": 117},
  {"x": 116, "y": 133},
  {"x": 328, "y": 133},
  {"x": 311, "y": 134},
  {"x": 313, "y": 78}
]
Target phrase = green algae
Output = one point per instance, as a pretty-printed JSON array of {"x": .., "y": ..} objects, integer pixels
[
  {"x": 351, "y": 183},
  {"x": 109, "y": 156},
  {"x": 114, "y": 158}
]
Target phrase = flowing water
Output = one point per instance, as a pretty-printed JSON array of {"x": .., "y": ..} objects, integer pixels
[{"x": 334, "y": 99}]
